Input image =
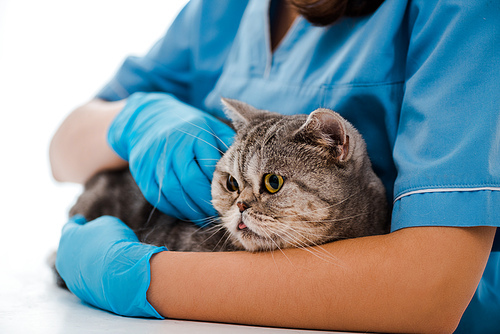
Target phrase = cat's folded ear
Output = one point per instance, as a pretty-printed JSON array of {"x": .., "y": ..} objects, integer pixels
[
  {"x": 240, "y": 113},
  {"x": 326, "y": 129}
]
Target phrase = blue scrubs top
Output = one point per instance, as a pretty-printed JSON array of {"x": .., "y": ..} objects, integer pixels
[{"x": 419, "y": 79}]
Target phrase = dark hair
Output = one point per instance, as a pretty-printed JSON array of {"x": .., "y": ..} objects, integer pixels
[{"x": 325, "y": 12}]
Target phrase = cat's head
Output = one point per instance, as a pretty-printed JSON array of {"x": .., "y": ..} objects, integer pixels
[{"x": 292, "y": 181}]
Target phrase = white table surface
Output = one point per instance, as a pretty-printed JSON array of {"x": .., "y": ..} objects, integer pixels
[{"x": 31, "y": 303}]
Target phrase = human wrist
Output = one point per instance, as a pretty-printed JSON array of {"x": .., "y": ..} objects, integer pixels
[
  {"x": 155, "y": 293},
  {"x": 130, "y": 283},
  {"x": 104, "y": 264}
]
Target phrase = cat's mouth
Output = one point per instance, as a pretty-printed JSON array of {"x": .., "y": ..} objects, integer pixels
[
  {"x": 251, "y": 240},
  {"x": 246, "y": 231}
]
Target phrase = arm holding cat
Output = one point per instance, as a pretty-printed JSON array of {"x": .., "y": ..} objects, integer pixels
[
  {"x": 171, "y": 148},
  {"x": 418, "y": 269},
  {"x": 412, "y": 280}
]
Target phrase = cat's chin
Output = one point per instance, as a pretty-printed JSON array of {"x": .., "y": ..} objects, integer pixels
[
  {"x": 245, "y": 233},
  {"x": 251, "y": 241},
  {"x": 253, "y": 245}
]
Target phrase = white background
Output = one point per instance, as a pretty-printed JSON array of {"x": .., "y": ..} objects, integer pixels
[{"x": 54, "y": 56}]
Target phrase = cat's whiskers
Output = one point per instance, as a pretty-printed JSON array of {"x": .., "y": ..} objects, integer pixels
[
  {"x": 314, "y": 249},
  {"x": 203, "y": 140},
  {"x": 274, "y": 260},
  {"x": 308, "y": 232},
  {"x": 333, "y": 220},
  {"x": 160, "y": 181},
  {"x": 277, "y": 246},
  {"x": 208, "y": 165},
  {"x": 305, "y": 212},
  {"x": 320, "y": 209},
  {"x": 150, "y": 215},
  {"x": 211, "y": 225},
  {"x": 211, "y": 132},
  {"x": 311, "y": 247},
  {"x": 291, "y": 236},
  {"x": 198, "y": 138},
  {"x": 269, "y": 237},
  {"x": 206, "y": 223},
  {"x": 145, "y": 237},
  {"x": 226, "y": 237},
  {"x": 322, "y": 254},
  {"x": 206, "y": 201},
  {"x": 215, "y": 229}
]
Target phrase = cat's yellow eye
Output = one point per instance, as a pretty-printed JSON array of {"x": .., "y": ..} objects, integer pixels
[
  {"x": 273, "y": 183},
  {"x": 231, "y": 184}
]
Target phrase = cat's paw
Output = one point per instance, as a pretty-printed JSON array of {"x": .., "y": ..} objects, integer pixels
[{"x": 51, "y": 261}]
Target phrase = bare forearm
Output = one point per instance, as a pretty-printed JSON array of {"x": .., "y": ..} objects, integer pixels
[
  {"x": 415, "y": 280},
  {"x": 79, "y": 148}
]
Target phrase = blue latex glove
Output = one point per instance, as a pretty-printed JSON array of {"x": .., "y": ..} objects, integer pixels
[
  {"x": 105, "y": 265},
  {"x": 172, "y": 149}
]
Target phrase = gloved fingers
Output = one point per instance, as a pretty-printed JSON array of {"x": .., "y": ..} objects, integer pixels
[
  {"x": 167, "y": 191},
  {"x": 188, "y": 176},
  {"x": 214, "y": 144},
  {"x": 222, "y": 133},
  {"x": 113, "y": 228},
  {"x": 150, "y": 169},
  {"x": 73, "y": 223},
  {"x": 156, "y": 192},
  {"x": 105, "y": 228},
  {"x": 197, "y": 189},
  {"x": 78, "y": 219},
  {"x": 162, "y": 188},
  {"x": 225, "y": 136},
  {"x": 206, "y": 154}
]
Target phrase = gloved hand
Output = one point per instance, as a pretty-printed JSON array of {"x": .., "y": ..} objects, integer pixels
[
  {"x": 172, "y": 149},
  {"x": 104, "y": 264}
]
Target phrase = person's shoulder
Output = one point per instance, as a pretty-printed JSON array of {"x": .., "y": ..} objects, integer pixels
[
  {"x": 210, "y": 14},
  {"x": 225, "y": 7},
  {"x": 468, "y": 6},
  {"x": 444, "y": 16}
]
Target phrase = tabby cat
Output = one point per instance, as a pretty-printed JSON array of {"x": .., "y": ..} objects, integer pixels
[{"x": 287, "y": 181}]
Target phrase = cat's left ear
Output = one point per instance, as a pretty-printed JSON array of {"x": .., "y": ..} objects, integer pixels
[
  {"x": 327, "y": 129},
  {"x": 240, "y": 113}
]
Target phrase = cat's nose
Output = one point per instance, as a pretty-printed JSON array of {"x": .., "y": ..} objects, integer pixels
[{"x": 242, "y": 206}]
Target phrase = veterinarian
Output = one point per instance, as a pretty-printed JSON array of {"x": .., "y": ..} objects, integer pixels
[{"x": 419, "y": 79}]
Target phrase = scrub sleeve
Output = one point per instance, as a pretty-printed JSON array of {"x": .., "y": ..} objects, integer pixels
[
  {"x": 188, "y": 60},
  {"x": 447, "y": 150},
  {"x": 419, "y": 79}
]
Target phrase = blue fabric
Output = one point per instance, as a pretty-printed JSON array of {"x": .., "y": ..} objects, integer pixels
[
  {"x": 483, "y": 315},
  {"x": 187, "y": 61},
  {"x": 419, "y": 79}
]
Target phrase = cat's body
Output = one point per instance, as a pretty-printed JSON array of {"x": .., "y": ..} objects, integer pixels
[
  {"x": 115, "y": 193},
  {"x": 287, "y": 181}
]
